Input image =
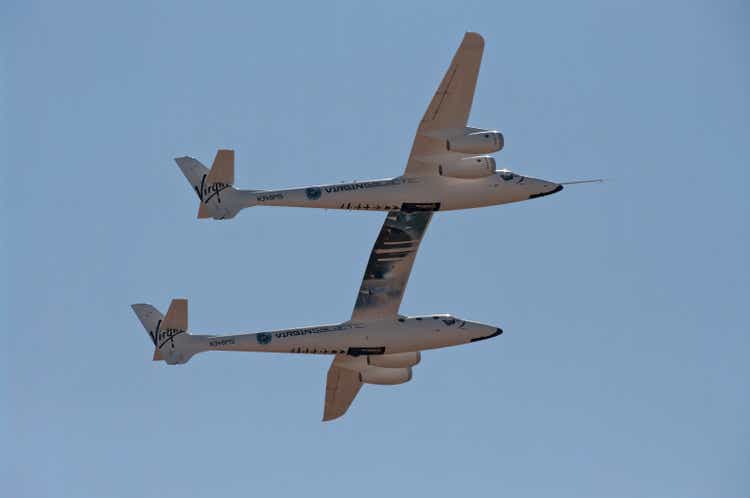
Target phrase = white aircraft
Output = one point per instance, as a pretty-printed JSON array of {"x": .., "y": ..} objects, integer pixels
[
  {"x": 376, "y": 346},
  {"x": 448, "y": 167}
]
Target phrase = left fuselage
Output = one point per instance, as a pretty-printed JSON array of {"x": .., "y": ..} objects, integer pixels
[{"x": 397, "y": 335}]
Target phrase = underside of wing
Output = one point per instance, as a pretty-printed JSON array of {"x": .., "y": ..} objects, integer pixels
[
  {"x": 390, "y": 265},
  {"x": 347, "y": 374},
  {"x": 448, "y": 112},
  {"x": 342, "y": 385}
]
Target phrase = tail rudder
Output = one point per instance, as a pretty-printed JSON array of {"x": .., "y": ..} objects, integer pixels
[
  {"x": 166, "y": 332},
  {"x": 216, "y": 194}
]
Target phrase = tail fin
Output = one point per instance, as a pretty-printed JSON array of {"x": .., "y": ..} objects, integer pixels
[
  {"x": 218, "y": 199},
  {"x": 166, "y": 332}
]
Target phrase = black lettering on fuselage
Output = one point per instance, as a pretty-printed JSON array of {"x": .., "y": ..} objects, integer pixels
[
  {"x": 220, "y": 342},
  {"x": 269, "y": 197},
  {"x": 349, "y": 187},
  {"x": 313, "y": 330}
]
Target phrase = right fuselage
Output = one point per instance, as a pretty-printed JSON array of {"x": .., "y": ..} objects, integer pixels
[{"x": 430, "y": 193}]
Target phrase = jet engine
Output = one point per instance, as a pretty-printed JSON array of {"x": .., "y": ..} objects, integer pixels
[
  {"x": 469, "y": 167},
  {"x": 478, "y": 142},
  {"x": 395, "y": 360},
  {"x": 385, "y": 376}
]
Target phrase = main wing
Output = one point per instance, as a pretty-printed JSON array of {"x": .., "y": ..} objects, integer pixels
[
  {"x": 390, "y": 264},
  {"x": 448, "y": 112}
]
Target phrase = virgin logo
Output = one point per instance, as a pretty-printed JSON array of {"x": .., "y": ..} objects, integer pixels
[{"x": 208, "y": 192}]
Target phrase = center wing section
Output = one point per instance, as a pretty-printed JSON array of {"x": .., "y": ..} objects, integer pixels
[
  {"x": 390, "y": 264},
  {"x": 449, "y": 109}
]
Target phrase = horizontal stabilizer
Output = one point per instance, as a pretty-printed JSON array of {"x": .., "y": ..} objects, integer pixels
[
  {"x": 222, "y": 170},
  {"x": 177, "y": 316},
  {"x": 204, "y": 211}
]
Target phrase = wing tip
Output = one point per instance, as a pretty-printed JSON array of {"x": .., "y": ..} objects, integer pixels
[
  {"x": 473, "y": 39},
  {"x": 183, "y": 159},
  {"x": 328, "y": 416}
]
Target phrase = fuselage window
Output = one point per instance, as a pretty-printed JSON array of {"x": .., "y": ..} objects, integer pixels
[{"x": 507, "y": 175}]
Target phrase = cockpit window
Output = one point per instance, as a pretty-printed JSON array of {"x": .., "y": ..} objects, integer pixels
[{"x": 507, "y": 175}]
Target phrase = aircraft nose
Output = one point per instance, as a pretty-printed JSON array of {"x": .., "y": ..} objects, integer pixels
[
  {"x": 492, "y": 333},
  {"x": 547, "y": 188}
]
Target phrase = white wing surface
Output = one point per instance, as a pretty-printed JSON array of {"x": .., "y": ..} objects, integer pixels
[
  {"x": 449, "y": 109},
  {"x": 390, "y": 265}
]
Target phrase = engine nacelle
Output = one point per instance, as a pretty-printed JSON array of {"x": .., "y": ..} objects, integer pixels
[
  {"x": 469, "y": 167},
  {"x": 395, "y": 360},
  {"x": 385, "y": 376},
  {"x": 478, "y": 142}
]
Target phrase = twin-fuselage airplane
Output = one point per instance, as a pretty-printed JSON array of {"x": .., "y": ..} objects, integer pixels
[{"x": 448, "y": 168}]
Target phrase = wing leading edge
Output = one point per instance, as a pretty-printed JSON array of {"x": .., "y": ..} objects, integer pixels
[{"x": 448, "y": 112}]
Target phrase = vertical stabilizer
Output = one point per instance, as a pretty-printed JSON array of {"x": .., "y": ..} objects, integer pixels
[{"x": 151, "y": 320}]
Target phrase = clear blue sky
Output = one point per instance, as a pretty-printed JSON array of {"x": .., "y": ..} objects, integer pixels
[{"x": 625, "y": 367}]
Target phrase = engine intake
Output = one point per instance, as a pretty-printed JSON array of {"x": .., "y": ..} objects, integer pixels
[
  {"x": 385, "y": 376},
  {"x": 394, "y": 360},
  {"x": 478, "y": 142},
  {"x": 469, "y": 167}
]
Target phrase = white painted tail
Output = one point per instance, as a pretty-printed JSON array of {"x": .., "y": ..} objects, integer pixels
[
  {"x": 168, "y": 333},
  {"x": 217, "y": 196}
]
